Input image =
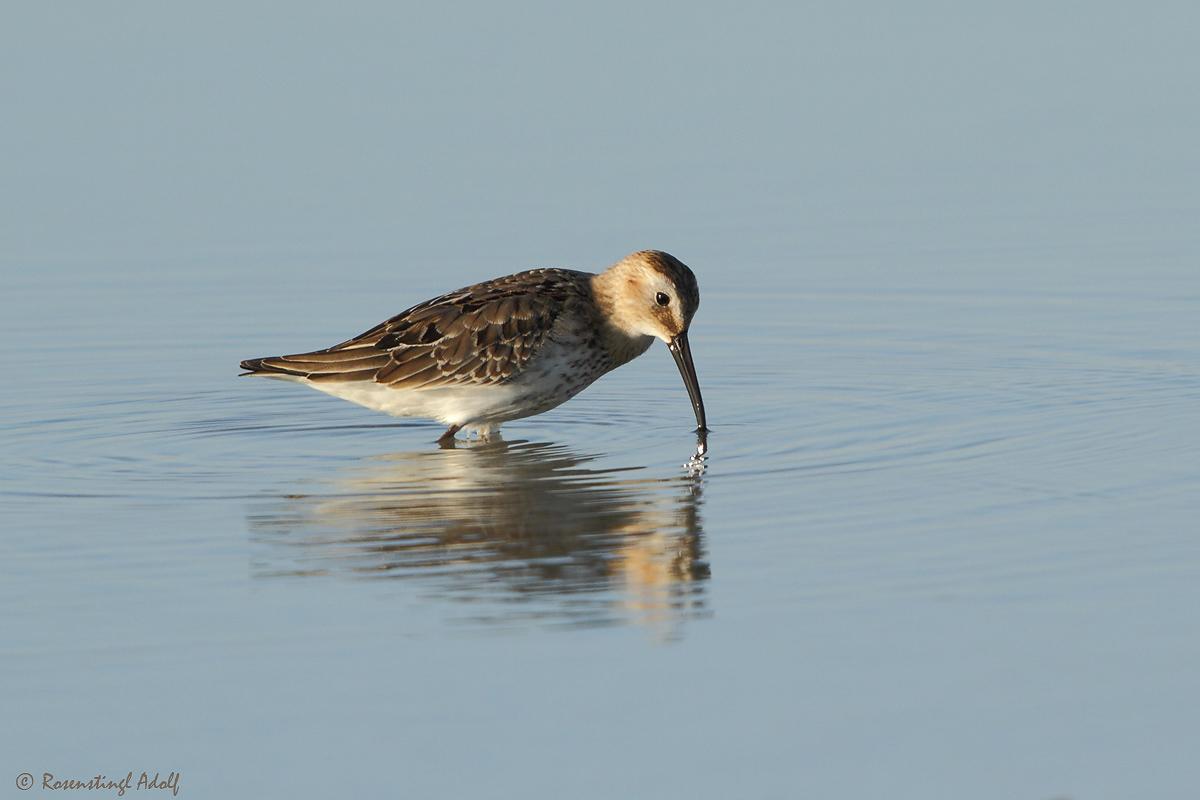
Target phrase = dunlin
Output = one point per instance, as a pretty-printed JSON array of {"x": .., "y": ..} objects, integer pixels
[{"x": 510, "y": 347}]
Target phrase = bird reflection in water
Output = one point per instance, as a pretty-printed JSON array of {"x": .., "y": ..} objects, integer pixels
[{"x": 520, "y": 531}]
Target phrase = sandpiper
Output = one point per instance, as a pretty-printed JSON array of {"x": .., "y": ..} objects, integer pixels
[{"x": 508, "y": 348}]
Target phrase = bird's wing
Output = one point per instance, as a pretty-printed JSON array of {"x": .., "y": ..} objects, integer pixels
[{"x": 483, "y": 334}]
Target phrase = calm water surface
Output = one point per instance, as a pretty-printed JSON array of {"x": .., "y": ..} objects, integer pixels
[{"x": 944, "y": 545}]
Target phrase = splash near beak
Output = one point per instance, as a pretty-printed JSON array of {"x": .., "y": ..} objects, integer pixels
[{"x": 683, "y": 357}]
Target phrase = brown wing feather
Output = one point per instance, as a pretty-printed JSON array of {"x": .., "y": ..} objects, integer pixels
[{"x": 485, "y": 333}]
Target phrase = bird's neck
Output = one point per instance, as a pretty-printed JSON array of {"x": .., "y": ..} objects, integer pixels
[{"x": 622, "y": 341}]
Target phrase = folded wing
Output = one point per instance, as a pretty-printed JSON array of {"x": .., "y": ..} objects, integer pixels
[{"x": 482, "y": 334}]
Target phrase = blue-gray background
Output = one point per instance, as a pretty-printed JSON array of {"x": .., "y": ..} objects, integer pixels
[
  {"x": 529, "y": 132},
  {"x": 949, "y": 264}
]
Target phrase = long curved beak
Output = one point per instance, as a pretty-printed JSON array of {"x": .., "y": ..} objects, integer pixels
[{"x": 683, "y": 357}]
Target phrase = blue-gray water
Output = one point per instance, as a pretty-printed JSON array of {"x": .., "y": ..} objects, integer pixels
[{"x": 945, "y": 542}]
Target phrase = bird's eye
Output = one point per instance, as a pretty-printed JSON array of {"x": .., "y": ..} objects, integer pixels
[{"x": 662, "y": 299}]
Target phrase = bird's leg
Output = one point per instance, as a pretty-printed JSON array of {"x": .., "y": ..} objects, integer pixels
[{"x": 448, "y": 436}]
